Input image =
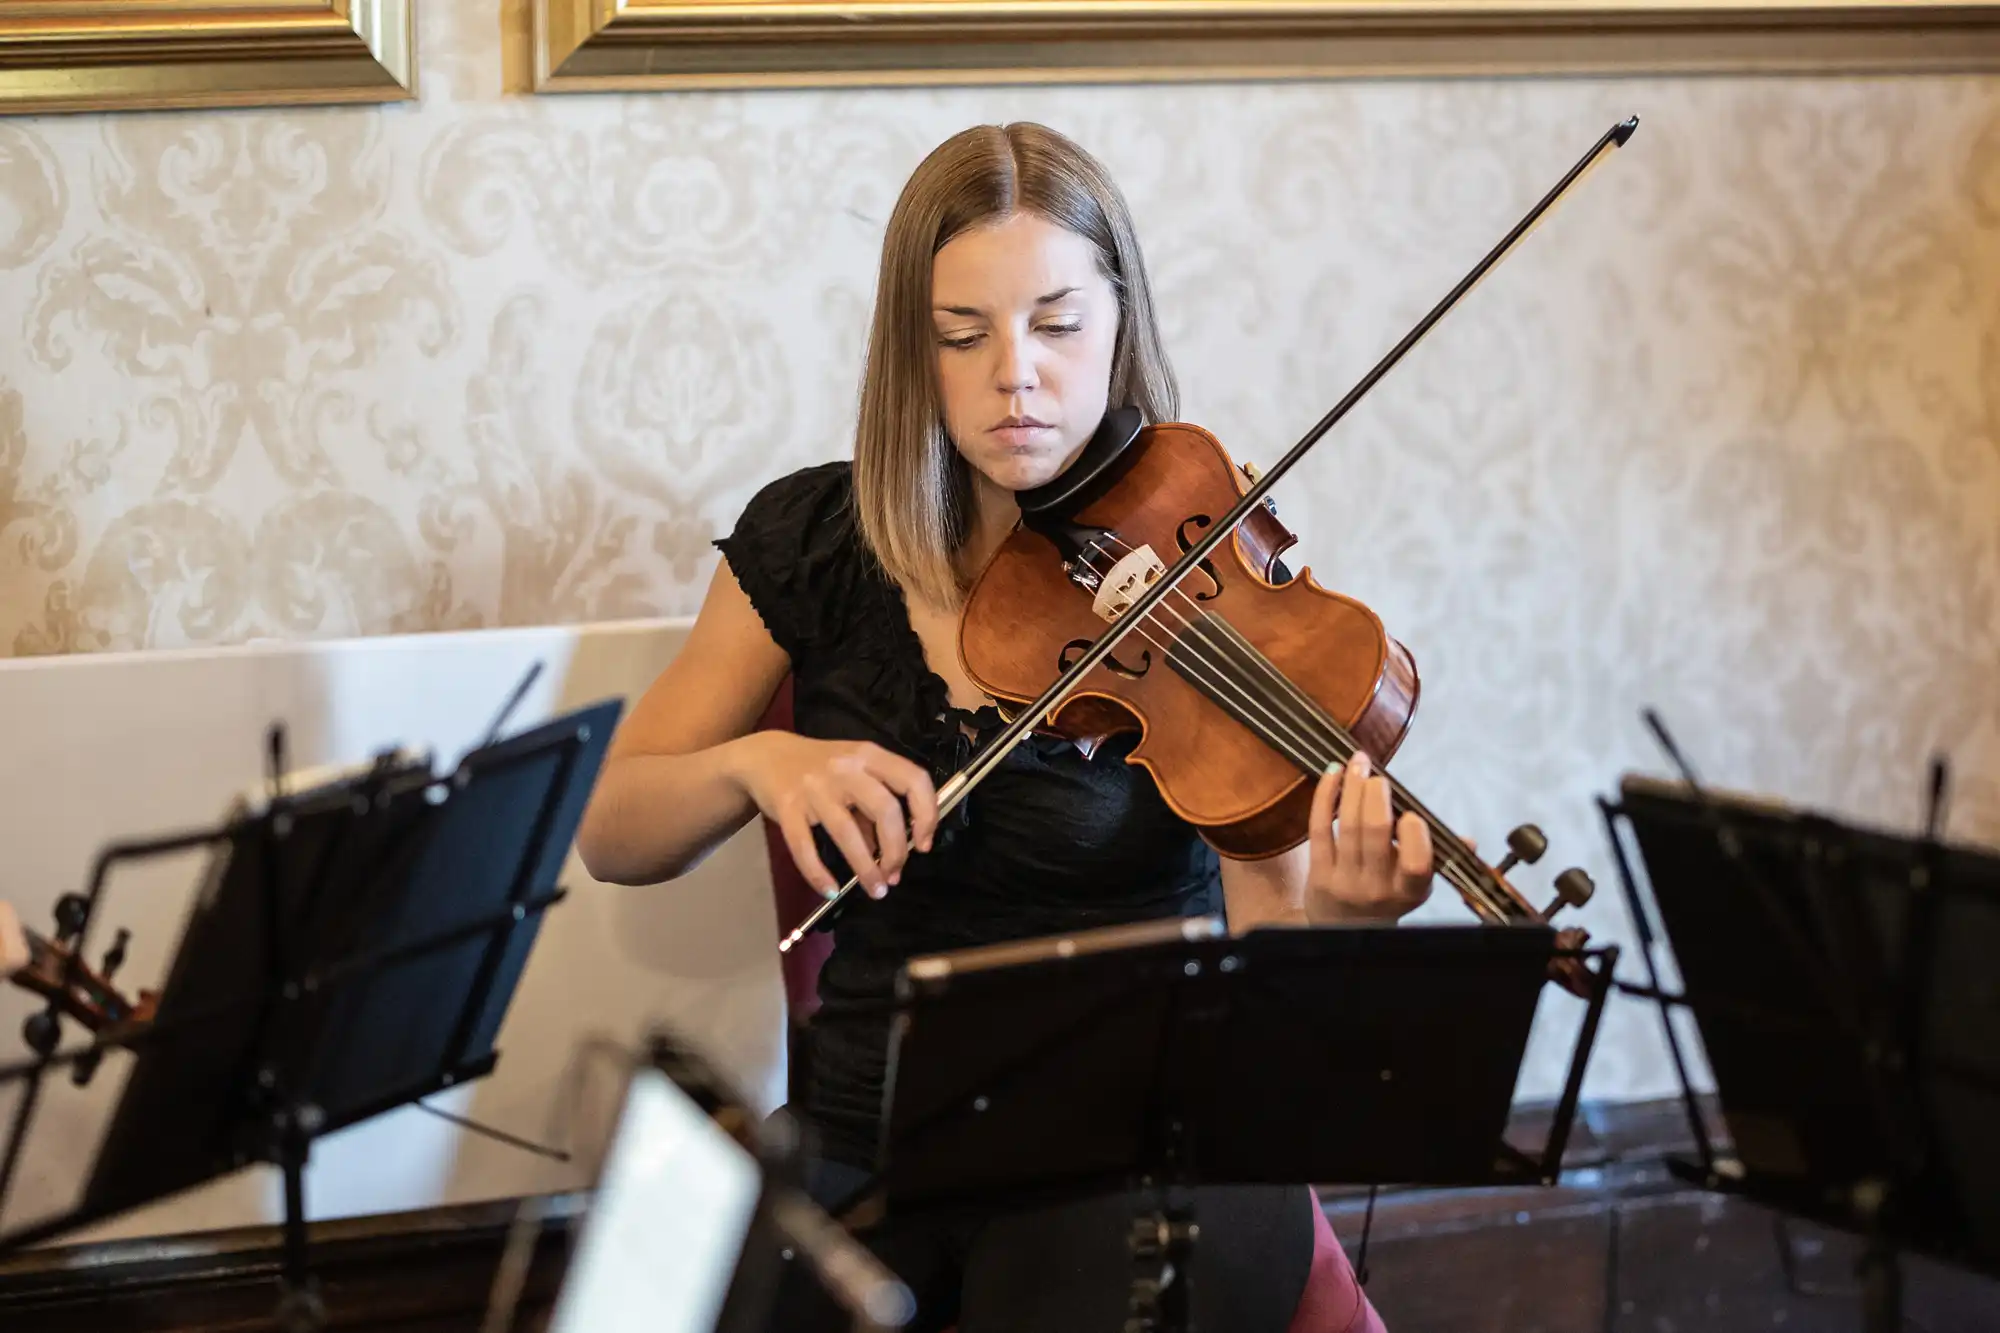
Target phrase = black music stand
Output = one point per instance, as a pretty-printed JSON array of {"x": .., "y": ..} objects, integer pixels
[
  {"x": 1171, "y": 1055},
  {"x": 1841, "y": 980},
  {"x": 355, "y": 948}
]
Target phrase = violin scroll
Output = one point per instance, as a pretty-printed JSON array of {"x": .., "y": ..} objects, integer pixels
[{"x": 1574, "y": 887}]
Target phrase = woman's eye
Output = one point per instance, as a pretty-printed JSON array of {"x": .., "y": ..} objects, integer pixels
[
  {"x": 1062, "y": 328},
  {"x": 961, "y": 342}
]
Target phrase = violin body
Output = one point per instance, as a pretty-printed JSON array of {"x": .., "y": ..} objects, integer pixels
[{"x": 1027, "y": 618}]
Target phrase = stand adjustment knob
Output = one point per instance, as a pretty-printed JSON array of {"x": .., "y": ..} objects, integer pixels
[
  {"x": 1525, "y": 846},
  {"x": 1153, "y": 1237},
  {"x": 1573, "y": 889}
]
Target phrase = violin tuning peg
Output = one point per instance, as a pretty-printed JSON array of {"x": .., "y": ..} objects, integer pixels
[
  {"x": 1525, "y": 846},
  {"x": 70, "y": 910},
  {"x": 114, "y": 957},
  {"x": 1573, "y": 889},
  {"x": 40, "y": 1032},
  {"x": 85, "y": 1067}
]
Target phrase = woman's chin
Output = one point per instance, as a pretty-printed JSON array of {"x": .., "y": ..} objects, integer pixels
[{"x": 1023, "y": 470}]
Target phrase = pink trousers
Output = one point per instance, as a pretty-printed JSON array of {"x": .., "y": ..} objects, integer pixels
[{"x": 1333, "y": 1301}]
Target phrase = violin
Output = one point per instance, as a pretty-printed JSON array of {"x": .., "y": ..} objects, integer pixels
[
  {"x": 1245, "y": 683},
  {"x": 53, "y": 969}
]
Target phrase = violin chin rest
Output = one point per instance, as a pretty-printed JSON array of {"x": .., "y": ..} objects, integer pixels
[{"x": 1069, "y": 492}]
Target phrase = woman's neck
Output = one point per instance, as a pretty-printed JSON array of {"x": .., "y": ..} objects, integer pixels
[{"x": 994, "y": 514}]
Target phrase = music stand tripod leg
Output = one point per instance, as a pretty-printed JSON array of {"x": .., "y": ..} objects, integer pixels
[
  {"x": 1163, "y": 1237},
  {"x": 300, "y": 1309},
  {"x": 1162, "y": 1241},
  {"x": 1880, "y": 1267}
]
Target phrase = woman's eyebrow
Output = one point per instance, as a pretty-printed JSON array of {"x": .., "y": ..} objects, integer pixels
[{"x": 973, "y": 312}]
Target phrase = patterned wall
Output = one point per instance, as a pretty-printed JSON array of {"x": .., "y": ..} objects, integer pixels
[{"x": 1723, "y": 438}]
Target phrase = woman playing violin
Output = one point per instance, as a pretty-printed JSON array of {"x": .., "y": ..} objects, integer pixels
[{"x": 1012, "y": 309}]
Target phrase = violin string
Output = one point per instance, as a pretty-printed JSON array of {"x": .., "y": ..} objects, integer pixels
[
  {"x": 1303, "y": 723},
  {"x": 1451, "y": 856},
  {"x": 1291, "y": 735},
  {"x": 1204, "y": 669},
  {"x": 1335, "y": 737},
  {"x": 1449, "y": 842},
  {"x": 1454, "y": 854},
  {"x": 1278, "y": 731},
  {"x": 1456, "y": 862},
  {"x": 1318, "y": 746}
]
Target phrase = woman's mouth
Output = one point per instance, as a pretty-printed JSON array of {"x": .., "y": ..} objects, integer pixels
[{"x": 1018, "y": 432}]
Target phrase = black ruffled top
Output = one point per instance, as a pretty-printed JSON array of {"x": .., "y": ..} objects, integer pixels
[{"x": 1050, "y": 842}]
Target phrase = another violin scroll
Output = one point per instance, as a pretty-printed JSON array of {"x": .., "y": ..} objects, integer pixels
[{"x": 51, "y": 968}]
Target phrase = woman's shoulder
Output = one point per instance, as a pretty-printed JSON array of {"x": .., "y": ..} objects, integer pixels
[
  {"x": 796, "y": 550},
  {"x": 809, "y": 498}
]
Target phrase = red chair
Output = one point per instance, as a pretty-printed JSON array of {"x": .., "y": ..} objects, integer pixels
[
  {"x": 1331, "y": 1303},
  {"x": 796, "y": 898}
]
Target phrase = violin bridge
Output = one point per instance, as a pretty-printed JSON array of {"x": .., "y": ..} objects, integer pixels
[{"x": 1125, "y": 581}]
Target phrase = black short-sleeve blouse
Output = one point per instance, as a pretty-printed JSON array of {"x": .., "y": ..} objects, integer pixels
[{"x": 1052, "y": 841}]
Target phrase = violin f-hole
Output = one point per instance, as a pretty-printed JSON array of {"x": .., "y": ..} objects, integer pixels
[
  {"x": 1207, "y": 566},
  {"x": 1075, "y": 648}
]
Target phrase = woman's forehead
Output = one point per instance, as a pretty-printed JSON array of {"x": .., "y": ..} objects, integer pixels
[{"x": 1022, "y": 259}]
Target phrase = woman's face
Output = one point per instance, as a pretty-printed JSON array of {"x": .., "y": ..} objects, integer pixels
[{"x": 1025, "y": 329}]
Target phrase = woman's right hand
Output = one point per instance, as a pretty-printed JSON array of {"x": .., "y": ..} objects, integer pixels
[{"x": 799, "y": 782}]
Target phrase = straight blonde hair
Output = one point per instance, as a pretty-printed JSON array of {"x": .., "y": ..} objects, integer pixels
[{"x": 912, "y": 488}]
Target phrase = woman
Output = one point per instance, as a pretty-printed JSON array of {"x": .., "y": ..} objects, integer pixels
[{"x": 1012, "y": 308}]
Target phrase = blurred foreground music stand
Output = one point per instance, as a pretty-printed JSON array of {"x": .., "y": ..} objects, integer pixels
[
  {"x": 698, "y": 1203},
  {"x": 355, "y": 948},
  {"x": 1841, "y": 983},
  {"x": 1170, "y": 1055}
]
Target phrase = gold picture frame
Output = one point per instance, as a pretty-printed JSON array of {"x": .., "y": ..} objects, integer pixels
[
  {"x": 607, "y": 45},
  {"x": 117, "y": 55}
]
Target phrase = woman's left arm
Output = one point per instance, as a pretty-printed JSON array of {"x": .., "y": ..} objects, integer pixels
[{"x": 1358, "y": 866}]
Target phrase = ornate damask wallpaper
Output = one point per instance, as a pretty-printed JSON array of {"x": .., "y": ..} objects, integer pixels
[{"x": 1722, "y": 438}]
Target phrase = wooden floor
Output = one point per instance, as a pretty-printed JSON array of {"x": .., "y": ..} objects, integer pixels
[{"x": 1620, "y": 1246}]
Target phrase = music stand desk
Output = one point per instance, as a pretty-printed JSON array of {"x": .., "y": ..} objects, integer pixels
[
  {"x": 1173, "y": 1053},
  {"x": 1842, "y": 981}
]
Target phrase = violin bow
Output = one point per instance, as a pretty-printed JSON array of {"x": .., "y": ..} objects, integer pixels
[{"x": 953, "y": 792}]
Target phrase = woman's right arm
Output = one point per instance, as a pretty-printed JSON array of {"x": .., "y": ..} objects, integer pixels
[{"x": 687, "y": 770}]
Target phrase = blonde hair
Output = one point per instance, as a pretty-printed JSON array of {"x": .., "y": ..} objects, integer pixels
[{"x": 912, "y": 488}]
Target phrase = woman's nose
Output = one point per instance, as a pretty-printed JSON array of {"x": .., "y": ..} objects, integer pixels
[{"x": 1017, "y": 366}]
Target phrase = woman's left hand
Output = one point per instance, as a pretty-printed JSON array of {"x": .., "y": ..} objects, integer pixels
[{"x": 1364, "y": 866}]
